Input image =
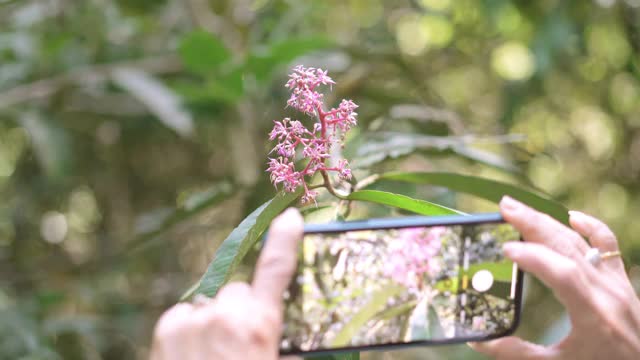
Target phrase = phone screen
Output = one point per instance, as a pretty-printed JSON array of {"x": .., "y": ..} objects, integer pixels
[{"x": 434, "y": 284}]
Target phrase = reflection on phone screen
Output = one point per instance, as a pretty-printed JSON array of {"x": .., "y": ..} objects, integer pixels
[{"x": 387, "y": 286}]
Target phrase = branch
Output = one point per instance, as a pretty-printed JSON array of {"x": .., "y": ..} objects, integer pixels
[
  {"x": 330, "y": 188},
  {"x": 94, "y": 73}
]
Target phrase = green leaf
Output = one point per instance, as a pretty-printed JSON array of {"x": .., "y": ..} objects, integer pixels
[
  {"x": 377, "y": 303},
  {"x": 392, "y": 145},
  {"x": 435, "y": 327},
  {"x": 193, "y": 205},
  {"x": 262, "y": 62},
  {"x": 491, "y": 190},
  {"x": 501, "y": 271},
  {"x": 397, "y": 311},
  {"x": 238, "y": 243},
  {"x": 201, "y": 52},
  {"x": 228, "y": 87},
  {"x": 51, "y": 144},
  {"x": 402, "y": 202},
  {"x": 157, "y": 97}
]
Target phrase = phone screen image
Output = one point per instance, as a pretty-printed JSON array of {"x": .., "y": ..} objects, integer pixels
[{"x": 419, "y": 284}]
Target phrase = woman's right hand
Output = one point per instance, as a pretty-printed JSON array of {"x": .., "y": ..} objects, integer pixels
[{"x": 601, "y": 303}]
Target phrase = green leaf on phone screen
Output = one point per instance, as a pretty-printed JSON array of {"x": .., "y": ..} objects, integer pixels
[
  {"x": 421, "y": 207},
  {"x": 491, "y": 190},
  {"x": 238, "y": 243},
  {"x": 396, "y": 311},
  {"x": 374, "y": 306},
  {"x": 435, "y": 327},
  {"x": 501, "y": 271}
]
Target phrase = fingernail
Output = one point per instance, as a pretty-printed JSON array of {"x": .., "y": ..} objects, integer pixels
[
  {"x": 575, "y": 213},
  {"x": 509, "y": 203},
  {"x": 290, "y": 210},
  {"x": 512, "y": 249}
]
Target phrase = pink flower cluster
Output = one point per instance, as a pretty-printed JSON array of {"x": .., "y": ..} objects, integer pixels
[
  {"x": 412, "y": 255},
  {"x": 315, "y": 143}
]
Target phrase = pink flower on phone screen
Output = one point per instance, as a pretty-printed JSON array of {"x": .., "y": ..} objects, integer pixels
[{"x": 413, "y": 255}]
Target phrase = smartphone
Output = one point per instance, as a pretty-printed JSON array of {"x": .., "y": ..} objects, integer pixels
[{"x": 384, "y": 283}]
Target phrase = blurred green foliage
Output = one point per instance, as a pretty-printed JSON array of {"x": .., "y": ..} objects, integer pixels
[{"x": 133, "y": 137}]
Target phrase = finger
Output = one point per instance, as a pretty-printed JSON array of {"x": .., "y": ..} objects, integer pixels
[
  {"x": 277, "y": 261},
  {"x": 511, "y": 347},
  {"x": 543, "y": 229},
  {"x": 172, "y": 331},
  {"x": 599, "y": 235},
  {"x": 555, "y": 270},
  {"x": 233, "y": 291},
  {"x": 244, "y": 325},
  {"x": 596, "y": 231}
]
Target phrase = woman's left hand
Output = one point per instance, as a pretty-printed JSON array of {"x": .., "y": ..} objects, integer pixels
[
  {"x": 243, "y": 321},
  {"x": 601, "y": 303}
]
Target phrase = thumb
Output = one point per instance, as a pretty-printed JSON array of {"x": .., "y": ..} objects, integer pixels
[
  {"x": 511, "y": 347},
  {"x": 277, "y": 262}
]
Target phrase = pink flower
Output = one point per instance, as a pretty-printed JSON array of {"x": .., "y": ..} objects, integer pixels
[
  {"x": 302, "y": 83},
  {"x": 412, "y": 255},
  {"x": 344, "y": 117},
  {"x": 292, "y": 134},
  {"x": 344, "y": 172},
  {"x": 283, "y": 171}
]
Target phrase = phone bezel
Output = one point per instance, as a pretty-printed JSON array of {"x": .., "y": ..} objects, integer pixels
[{"x": 414, "y": 221}]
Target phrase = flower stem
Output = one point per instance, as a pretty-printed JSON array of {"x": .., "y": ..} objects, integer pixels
[{"x": 330, "y": 188}]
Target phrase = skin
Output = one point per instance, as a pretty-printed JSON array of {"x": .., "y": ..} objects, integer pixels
[
  {"x": 601, "y": 303},
  {"x": 244, "y": 320}
]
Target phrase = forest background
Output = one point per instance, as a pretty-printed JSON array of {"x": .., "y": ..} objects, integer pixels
[{"x": 134, "y": 138}]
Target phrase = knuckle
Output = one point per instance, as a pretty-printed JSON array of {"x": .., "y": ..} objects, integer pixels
[
  {"x": 539, "y": 219},
  {"x": 168, "y": 329},
  {"x": 233, "y": 290},
  {"x": 276, "y": 262},
  {"x": 259, "y": 334},
  {"x": 172, "y": 323},
  {"x": 569, "y": 275},
  {"x": 269, "y": 259},
  {"x": 604, "y": 234},
  {"x": 271, "y": 318},
  {"x": 225, "y": 323},
  {"x": 620, "y": 303},
  {"x": 283, "y": 228},
  {"x": 264, "y": 327},
  {"x": 201, "y": 322}
]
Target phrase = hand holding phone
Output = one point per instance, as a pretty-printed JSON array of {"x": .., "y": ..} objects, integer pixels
[
  {"x": 554, "y": 253},
  {"x": 402, "y": 281}
]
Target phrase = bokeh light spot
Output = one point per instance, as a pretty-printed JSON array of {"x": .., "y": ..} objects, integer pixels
[
  {"x": 595, "y": 130},
  {"x": 624, "y": 93},
  {"x": 548, "y": 174},
  {"x": 367, "y": 12},
  {"x": 438, "y": 5},
  {"x": 608, "y": 43},
  {"x": 412, "y": 40},
  {"x": 437, "y": 30},
  {"x": 53, "y": 227},
  {"x": 513, "y": 61},
  {"x": 612, "y": 201}
]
